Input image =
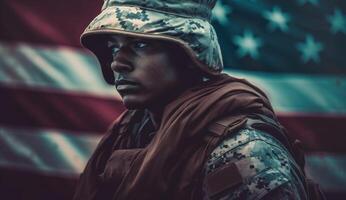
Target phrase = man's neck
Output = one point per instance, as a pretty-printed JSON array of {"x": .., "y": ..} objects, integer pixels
[
  {"x": 156, "y": 111},
  {"x": 155, "y": 116}
]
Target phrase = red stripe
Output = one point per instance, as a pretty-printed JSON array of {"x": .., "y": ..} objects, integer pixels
[
  {"x": 22, "y": 184},
  {"x": 46, "y": 22},
  {"x": 76, "y": 112},
  {"x": 318, "y": 131},
  {"x": 50, "y": 109}
]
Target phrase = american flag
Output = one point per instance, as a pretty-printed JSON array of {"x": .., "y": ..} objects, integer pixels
[{"x": 54, "y": 104}]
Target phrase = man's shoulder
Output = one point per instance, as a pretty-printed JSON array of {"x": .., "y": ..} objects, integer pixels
[
  {"x": 262, "y": 163},
  {"x": 243, "y": 144}
]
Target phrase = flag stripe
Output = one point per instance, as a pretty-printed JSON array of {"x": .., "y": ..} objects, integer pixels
[
  {"x": 48, "y": 151},
  {"x": 60, "y": 67},
  {"x": 328, "y": 170},
  {"x": 38, "y": 108},
  {"x": 46, "y": 22},
  {"x": 318, "y": 132},
  {"x": 302, "y": 93},
  {"x": 35, "y": 185}
]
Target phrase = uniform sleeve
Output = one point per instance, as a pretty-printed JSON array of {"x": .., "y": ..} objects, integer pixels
[{"x": 266, "y": 169}]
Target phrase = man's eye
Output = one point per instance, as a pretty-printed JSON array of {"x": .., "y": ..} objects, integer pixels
[
  {"x": 114, "y": 50},
  {"x": 140, "y": 45}
]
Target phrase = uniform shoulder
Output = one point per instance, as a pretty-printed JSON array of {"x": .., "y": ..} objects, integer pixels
[{"x": 263, "y": 164}]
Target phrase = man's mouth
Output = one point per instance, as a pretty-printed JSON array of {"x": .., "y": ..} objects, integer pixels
[{"x": 126, "y": 85}]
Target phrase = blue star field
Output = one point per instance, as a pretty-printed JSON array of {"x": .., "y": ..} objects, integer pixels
[{"x": 298, "y": 36}]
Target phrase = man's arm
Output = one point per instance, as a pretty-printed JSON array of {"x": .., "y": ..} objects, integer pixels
[{"x": 265, "y": 167}]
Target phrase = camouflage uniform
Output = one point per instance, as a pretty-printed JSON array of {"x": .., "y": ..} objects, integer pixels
[
  {"x": 268, "y": 170},
  {"x": 276, "y": 174}
]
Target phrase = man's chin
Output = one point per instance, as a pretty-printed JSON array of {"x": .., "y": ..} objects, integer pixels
[
  {"x": 137, "y": 102},
  {"x": 134, "y": 104}
]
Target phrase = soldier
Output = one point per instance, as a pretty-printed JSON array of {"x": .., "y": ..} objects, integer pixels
[{"x": 189, "y": 131}]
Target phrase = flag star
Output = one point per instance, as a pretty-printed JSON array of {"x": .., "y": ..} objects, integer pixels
[
  {"x": 303, "y": 2},
  {"x": 220, "y": 13},
  {"x": 310, "y": 49},
  {"x": 337, "y": 22},
  {"x": 247, "y": 44},
  {"x": 277, "y": 19}
]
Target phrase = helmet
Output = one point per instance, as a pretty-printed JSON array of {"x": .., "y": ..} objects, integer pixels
[{"x": 186, "y": 23}]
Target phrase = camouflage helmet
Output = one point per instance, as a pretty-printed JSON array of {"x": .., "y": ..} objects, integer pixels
[{"x": 186, "y": 23}]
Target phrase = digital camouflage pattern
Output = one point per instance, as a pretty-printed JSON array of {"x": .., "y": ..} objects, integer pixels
[
  {"x": 268, "y": 170},
  {"x": 188, "y": 8},
  {"x": 192, "y": 32}
]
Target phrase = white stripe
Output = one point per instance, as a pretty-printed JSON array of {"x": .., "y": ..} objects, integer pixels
[
  {"x": 71, "y": 154},
  {"x": 36, "y": 59},
  {"x": 301, "y": 93},
  {"x": 62, "y": 68},
  {"x": 21, "y": 150},
  {"x": 11, "y": 69},
  {"x": 328, "y": 170},
  {"x": 47, "y": 151}
]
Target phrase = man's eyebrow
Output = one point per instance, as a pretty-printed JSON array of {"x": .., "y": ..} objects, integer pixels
[{"x": 111, "y": 43}]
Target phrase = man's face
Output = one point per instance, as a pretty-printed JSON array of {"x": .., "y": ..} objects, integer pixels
[{"x": 148, "y": 73}]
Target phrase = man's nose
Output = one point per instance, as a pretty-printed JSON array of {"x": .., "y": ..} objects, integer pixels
[{"x": 121, "y": 61}]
